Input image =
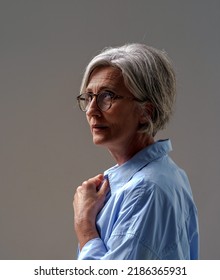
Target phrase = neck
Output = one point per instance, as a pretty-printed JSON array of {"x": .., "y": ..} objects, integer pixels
[{"x": 124, "y": 152}]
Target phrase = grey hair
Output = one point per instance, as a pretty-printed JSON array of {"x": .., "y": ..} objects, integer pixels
[{"x": 149, "y": 76}]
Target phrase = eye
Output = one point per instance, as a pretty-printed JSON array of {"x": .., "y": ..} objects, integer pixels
[{"x": 106, "y": 95}]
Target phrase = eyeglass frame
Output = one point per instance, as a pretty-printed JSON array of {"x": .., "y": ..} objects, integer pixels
[{"x": 113, "y": 96}]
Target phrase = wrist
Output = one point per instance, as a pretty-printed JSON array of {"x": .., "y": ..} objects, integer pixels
[{"x": 85, "y": 231}]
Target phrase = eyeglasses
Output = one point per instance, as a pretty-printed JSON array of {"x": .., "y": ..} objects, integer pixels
[{"x": 103, "y": 100}]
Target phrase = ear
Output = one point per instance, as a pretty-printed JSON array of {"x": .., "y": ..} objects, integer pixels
[{"x": 146, "y": 113}]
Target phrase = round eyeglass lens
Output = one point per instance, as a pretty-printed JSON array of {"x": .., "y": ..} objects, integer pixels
[
  {"x": 104, "y": 100},
  {"x": 84, "y": 101}
]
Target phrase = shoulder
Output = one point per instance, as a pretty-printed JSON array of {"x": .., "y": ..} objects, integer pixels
[{"x": 160, "y": 184}]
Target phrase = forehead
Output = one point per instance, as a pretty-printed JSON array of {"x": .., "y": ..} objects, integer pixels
[{"x": 105, "y": 76}]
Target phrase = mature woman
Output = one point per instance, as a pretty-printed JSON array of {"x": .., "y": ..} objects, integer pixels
[{"x": 142, "y": 208}]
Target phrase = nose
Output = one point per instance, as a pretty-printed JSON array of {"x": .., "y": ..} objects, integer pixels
[{"x": 93, "y": 108}]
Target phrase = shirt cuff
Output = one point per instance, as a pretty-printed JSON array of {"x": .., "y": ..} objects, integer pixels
[{"x": 94, "y": 249}]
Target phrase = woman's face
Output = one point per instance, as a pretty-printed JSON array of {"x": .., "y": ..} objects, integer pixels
[{"x": 118, "y": 126}]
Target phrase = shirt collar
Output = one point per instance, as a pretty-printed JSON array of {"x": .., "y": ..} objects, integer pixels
[{"x": 119, "y": 175}]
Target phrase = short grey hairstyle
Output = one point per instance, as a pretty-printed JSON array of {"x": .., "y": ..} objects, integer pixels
[{"x": 149, "y": 76}]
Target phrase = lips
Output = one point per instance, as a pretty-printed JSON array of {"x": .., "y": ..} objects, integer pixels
[{"x": 98, "y": 126}]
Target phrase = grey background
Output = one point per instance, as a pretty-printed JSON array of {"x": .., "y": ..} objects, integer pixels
[{"x": 45, "y": 145}]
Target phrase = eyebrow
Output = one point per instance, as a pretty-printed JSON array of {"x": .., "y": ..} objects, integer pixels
[{"x": 108, "y": 88}]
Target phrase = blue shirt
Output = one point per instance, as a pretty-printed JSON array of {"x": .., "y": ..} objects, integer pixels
[{"x": 149, "y": 212}]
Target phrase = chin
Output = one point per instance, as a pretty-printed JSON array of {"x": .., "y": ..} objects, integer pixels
[{"x": 100, "y": 141}]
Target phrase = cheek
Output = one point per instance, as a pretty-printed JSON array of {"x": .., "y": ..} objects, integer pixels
[
  {"x": 124, "y": 119},
  {"x": 126, "y": 124},
  {"x": 131, "y": 117}
]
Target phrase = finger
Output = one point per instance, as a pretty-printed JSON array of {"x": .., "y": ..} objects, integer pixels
[
  {"x": 96, "y": 180},
  {"x": 104, "y": 189},
  {"x": 91, "y": 184},
  {"x": 99, "y": 177}
]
